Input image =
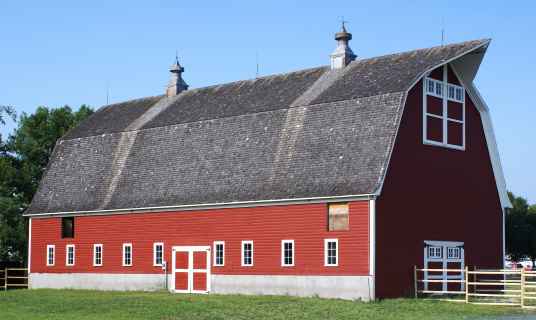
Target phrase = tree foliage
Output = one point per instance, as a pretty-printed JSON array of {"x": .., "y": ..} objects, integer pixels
[
  {"x": 23, "y": 159},
  {"x": 520, "y": 229}
]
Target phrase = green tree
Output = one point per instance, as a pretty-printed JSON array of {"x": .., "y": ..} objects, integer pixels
[
  {"x": 23, "y": 159},
  {"x": 520, "y": 229}
]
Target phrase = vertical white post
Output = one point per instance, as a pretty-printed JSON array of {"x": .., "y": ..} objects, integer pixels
[{"x": 372, "y": 249}]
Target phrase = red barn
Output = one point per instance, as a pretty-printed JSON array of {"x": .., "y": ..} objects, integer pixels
[{"x": 333, "y": 181}]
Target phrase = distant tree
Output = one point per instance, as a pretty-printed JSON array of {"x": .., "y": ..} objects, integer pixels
[
  {"x": 23, "y": 159},
  {"x": 9, "y": 111},
  {"x": 520, "y": 229}
]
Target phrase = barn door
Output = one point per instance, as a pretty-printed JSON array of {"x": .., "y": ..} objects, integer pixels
[
  {"x": 444, "y": 255},
  {"x": 191, "y": 269}
]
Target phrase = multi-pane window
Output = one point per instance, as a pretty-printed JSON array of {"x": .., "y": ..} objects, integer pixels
[
  {"x": 70, "y": 255},
  {"x": 287, "y": 253},
  {"x": 127, "y": 254},
  {"x": 434, "y": 252},
  {"x": 247, "y": 253},
  {"x": 219, "y": 253},
  {"x": 453, "y": 253},
  {"x": 50, "y": 255},
  {"x": 97, "y": 255},
  {"x": 444, "y": 110},
  {"x": 158, "y": 255},
  {"x": 331, "y": 249}
]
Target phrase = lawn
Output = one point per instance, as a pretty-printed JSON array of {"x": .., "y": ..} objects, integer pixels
[{"x": 85, "y": 304}]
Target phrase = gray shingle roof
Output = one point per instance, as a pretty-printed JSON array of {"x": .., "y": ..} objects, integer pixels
[{"x": 305, "y": 134}]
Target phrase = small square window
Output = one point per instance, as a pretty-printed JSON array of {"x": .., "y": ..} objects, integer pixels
[
  {"x": 247, "y": 253},
  {"x": 97, "y": 255},
  {"x": 453, "y": 253},
  {"x": 127, "y": 255},
  {"x": 70, "y": 255},
  {"x": 287, "y": 253},
  {"x": 219, "y": 254},
  {"x": 67, "y": 227},
  {"x": 158, "y": 254},
  {"x": 434, "y": 252},
  {"x": 50, "y": 255},
  {"x": 331, "y": 250}
]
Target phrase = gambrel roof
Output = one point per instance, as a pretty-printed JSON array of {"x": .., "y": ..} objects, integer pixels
[{"x": 305, "y": 135}]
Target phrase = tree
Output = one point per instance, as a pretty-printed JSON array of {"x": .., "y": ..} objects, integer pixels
[
  {"x": 23, "y": 159},
  {"x": 10, "y": 112},
  {"x": 520, "y": 229}
]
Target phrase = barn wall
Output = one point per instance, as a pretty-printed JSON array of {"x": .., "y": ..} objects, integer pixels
[
  {"x": 435, "y": 193},
  {"x": 266, "y": 226}
]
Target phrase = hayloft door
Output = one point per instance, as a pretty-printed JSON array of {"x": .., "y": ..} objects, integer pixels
[
  {"x": 445, "y": 255},
  {"x": 191, "y": 269}
]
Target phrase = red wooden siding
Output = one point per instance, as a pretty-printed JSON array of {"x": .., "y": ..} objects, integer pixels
[
  {"x": 437, "y": 194},
  {"x": 265, "y": 226}
]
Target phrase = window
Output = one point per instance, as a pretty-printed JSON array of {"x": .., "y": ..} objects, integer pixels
[
  {"x": 219, "y": 253},
  {"x": 444, "y": 110},
  {"x": 331, "y": 249},
  {"x": 67, "y": 227},
  {"x": 337, "y": 216},
  {"x": 97, "y": 255},
  {"x": 70, "y": 255},
  {"x": 453, "y": 253},
  {"x": 158, "y": 255},
  {"x": 287, "y": 253},
  {"x": 127, "y": 254},
  {"x": 50, "y": 255},
  {"x": 434, "y": 252},
  {"x": 247, "y": 253}
]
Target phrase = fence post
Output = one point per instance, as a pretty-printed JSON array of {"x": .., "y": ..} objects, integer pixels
[
  {"x": 466, "y": 284},
  {"x": 474, "y": 279},
  {"x": 5, "y": 280},
  {"x": 415, "y": 279},
  {"x": 522, "y": 287}
]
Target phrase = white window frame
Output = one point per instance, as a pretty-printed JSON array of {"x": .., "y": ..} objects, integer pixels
[
  {"x": 96, "y": 258},
  {"x": 243, "y": 251},
  {"x": 433, "y": 252},
  {"x": 49, "y": 258},
  {"x": 155, "y": 245},
  {"x": 455, "y": 253},
  {"x": 127, "y": 245},
  {"x": 326, "y": 253},
  {"x": 445, "y": 96},
  {"x": 216, "y": 244},
  {"x": 67, "y": 262},
  {"x": 283, "y": 243}
]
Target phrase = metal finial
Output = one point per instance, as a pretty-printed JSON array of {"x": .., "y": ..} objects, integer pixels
[
  {"x": 176, "y": 55},
  {"x": 343, "y": 22}
]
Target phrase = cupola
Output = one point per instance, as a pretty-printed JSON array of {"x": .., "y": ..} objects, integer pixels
[
  {"x": 176, "y": 85},
  {"x": 342, "y": 55}
]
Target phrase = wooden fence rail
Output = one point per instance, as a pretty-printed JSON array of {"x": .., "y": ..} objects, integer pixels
[
  {"x": 491, "y": 287},
  {"x": 7, "y": 274}
]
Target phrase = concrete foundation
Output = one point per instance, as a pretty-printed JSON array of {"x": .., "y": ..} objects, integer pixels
[
  {"x": 99, "y": 281},
  {"x": 342, "y": 287}
]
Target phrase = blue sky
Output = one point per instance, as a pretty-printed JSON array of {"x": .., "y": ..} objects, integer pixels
[{"x": 54, "y": 53}]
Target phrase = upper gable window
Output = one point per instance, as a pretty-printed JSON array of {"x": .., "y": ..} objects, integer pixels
[{"x": 444, "y": 109}]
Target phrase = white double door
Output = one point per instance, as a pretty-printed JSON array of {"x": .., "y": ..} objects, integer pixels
[{"x": 191, "y": 269}]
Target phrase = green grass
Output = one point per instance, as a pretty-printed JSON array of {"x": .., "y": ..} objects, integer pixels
[{"x": 85, "y": 304}]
